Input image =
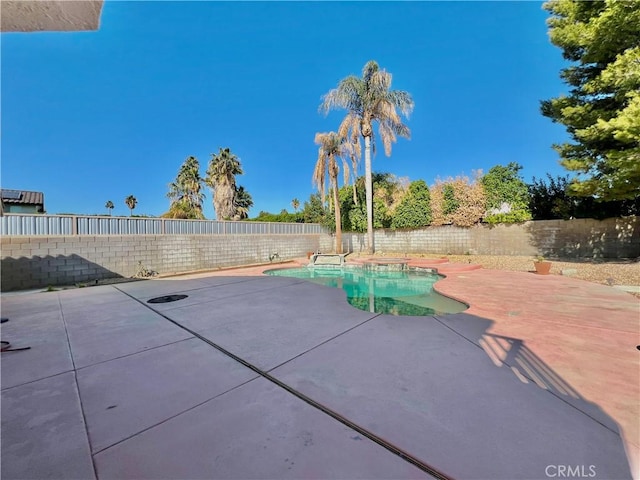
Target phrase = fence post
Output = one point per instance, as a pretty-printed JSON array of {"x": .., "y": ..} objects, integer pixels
[{"x": 74, "y": 225}]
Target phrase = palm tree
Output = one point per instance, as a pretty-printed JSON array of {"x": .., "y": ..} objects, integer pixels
[
  {"x": 131, "y": 203},
  {"x": 295, "y": 203},
  {"x": 223, "y": 167},
  {"x": 368, "y": 100},
  {"x": 109, "y": 206},
  {"x": 332, "y": 145},
  {"x": 242, "y": 202},
  {"x": 185, "y": 193}
]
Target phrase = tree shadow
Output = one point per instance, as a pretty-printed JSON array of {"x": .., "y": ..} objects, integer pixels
[
  {"x": 348, "y": 243},
  {"x": 42, "y": 271},
  {"x": 613, "y": 238},
  {"x": 514, "y": 355},
  {"x": 530, "y": 368}
]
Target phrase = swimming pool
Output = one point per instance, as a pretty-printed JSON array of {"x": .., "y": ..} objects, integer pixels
[{"x": 380, "y": 290}]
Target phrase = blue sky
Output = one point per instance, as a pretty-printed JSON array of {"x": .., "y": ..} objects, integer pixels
[{"x": 94, "y": 116}]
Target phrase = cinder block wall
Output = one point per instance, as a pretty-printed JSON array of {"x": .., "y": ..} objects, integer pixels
[
  {"x": 580, "y": 238},
  {"x": 34, "y": 262}
]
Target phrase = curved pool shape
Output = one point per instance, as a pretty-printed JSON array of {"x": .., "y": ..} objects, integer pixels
[{"x": 391, "y": 292}]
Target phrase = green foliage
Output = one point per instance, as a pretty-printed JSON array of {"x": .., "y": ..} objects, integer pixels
[
  {"x": 283, "y": 217},
  {"x": 602, "y": 111},
  {"x": 414, "y": 210},
  {"x": 180, "y": 209},
  {"x": 185, "y": 192},
  {"x": 242, "y": 202},
  {"x": 515, "y": 216},
  {"x": 507, "y": 195},
  {"x": 313, "y": 210},
  {"x": 388, "y": 191},
  {"x": 449, "y": 202},
  {"x": 381, "y": 215},
  {"x": 345, "y": 197},
  {"x": 551, "y": 200}
]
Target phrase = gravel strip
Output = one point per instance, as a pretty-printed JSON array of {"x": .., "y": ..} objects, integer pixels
[{"x": 615, "y": 272}]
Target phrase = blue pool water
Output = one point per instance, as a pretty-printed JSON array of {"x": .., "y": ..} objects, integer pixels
[{"x": 381, "y": 291}]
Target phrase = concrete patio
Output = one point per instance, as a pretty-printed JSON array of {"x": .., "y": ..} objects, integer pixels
[{"x": 270, "y": 377}]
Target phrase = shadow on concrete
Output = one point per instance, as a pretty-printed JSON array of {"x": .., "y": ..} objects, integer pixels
[
  {"x": 42, "y": 271},
  {"x": 583, "y": 238},
  {"x": 525, "y": 364},
  {"x": 514, "y": 355}
]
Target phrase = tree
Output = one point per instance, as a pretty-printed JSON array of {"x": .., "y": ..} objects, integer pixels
[
  {"x": 221, "y": 178},
  {"x": 295, "y": 203},
  {"x": 464, "y": 207},
  {"x": 242, "y": 202},
  {"x": 109, "y": 206},
  {"x": 131, "y": 202},
  {"x": 449, "y": 201},
  {"x": 313, "y": 211},
  {"x": 368, "y": 100},
  {"x": 414, "y": 210},
  {"x": 602, "y": 111},
  {"x": 551, "y": 200},
  {"x": 185, "y": 192},
  {"x": 507, "y": 194},
  {"x": 278, "y": 217},
  {"x": 388, "y": 191},
  {"x": 331, "y": 147}
]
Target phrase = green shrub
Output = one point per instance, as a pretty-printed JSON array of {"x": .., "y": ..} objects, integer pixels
[{"x": 414, "y": 210}]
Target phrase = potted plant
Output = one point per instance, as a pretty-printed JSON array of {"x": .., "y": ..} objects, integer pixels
[{"x": 542, "y": 265}]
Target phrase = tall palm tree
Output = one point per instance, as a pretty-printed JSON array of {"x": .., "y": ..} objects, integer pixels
[
  {"x": 131, "y": 202},
  {"x": 295, "y": 203},
  {"x": 109, "y": 206},
  {"x": 185, "y": 193},
  {"x": 332, "y": 146},
  {"x": 221, "y": 178},
  {"x": 367, "y": 100}
]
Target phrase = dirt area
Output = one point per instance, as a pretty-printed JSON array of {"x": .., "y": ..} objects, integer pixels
[
  {"x": 608, "y": 273},
  {"x": 615, "y": 272}
]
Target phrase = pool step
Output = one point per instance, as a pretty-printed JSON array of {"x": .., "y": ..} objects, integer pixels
[{"x": 327, "y": 259}]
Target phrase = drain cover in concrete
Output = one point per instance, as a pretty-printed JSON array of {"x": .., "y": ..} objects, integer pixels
[{"x": 167, "y": 299}]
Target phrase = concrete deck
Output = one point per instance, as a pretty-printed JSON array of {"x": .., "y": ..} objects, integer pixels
[{"x": 272, "y": 377}]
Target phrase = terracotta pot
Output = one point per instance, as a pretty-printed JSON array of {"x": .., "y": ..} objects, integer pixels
[{"x": 542, "y": 268}]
